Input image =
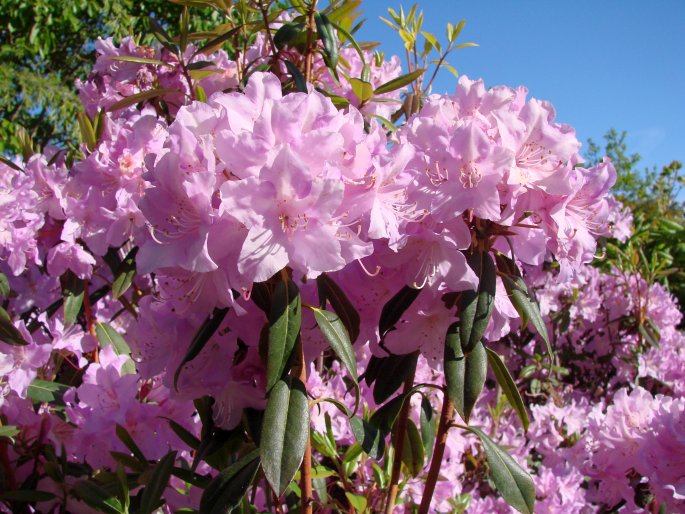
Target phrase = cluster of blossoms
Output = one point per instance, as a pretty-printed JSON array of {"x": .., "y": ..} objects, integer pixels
[{"x": 212, "y": 198}]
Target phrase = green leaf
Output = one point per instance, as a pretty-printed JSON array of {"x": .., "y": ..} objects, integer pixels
[
  {"x": 226, "y": 491},
  {"x": 362, "y": 90},
  {"x": 285, "y": 318},
  {"x": 287, "y": 33},
  {"x": 141, "y": 97},
  {"x": 298, "y": 78},
  {"x": 141, "y": 60},
  {"x": 4, "y": 285},
  {"x": 328, "y": 36},
  {"x": 508, "y": 385},
  {"x": 214, "y": 44},
  {"x": 183, "y": 434},
  {"x": 73, "y": 291},
  {"x": 9, "y": 163},
  {"x": 427, "y": 422},
  {"x": 128, "y": 441},
  {"x": 8, "y": 332},
  {"x": 8, "y": 431},
  {"x": 412, "y": 451},
  {"x": 476, "y": 306},
  {"x": 465, "y": 373},
  {"x": 330, "y": 291},
  {"x": 511, "y": 480},
  {"x": 157, "y": 483},
  {"x": 384, "y": 418},
  {"x": 336, "y": 334},
  {"x": 125, "y": 273},
  {"x": 284, "y": 433},
  {"x": 358, "y": 502},
  {"x": 201, "y": 74},
  {"x": 87, "y": 131},
  {"x": 393, "y": 371},
  {"x": 27, "y": 496},
  {"x": 97, "y": 497},
  {"x": 370, "y": 438},
  {"x": 399, "y": 82},
  {"x": 43, "y": 391},
  {"x": 522, "y": 299},
  {"x": 107, "y": 335},
  {"x": 202, "y": 336},
  {"x": 395, "y": 308}
]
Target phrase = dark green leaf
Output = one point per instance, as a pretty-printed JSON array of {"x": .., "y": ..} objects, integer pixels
[
  {"x": 522, "y": 299},
  {"x": 226, "y": 491},
  {"x": 335, "y": 333},
  {"x": 476, "y": 306},
  {"x": 399, "y": 82},
  {"x": 8, "y": 332},
  {"x": 183, "y": 434},
  {"x": 328, "y": 36},
  {"x": 331, "y": 292},
  {"x": 190, "y": 477},
  {"x": 9, "y": 163},
  {"x": 395, "y": 308},
  {"x": 427, "y": 421},
  {"x": 298, "y": 78},
  {"x": 125, "y": 273},
  {"x": 97, "y": 497},
  {"x": 287, "y": 33},
  {"x": 412, "y": 450},
  {"x": 72, "y": 291},
  {"x": 27, "y": 496},
  {"x": 109, "y": 336},
  {"x": 508, "y": 385},
  {"x": 511, "y": 480},
  {"x": 44, "y": 391},
  {"x": 284, "y": 433},
  {"x": 384, "y": 418},
  {"x": 128, "y": 441},
  {"x": 157, "y": 483},
  {"x": 141, "y": 97},
  {"x": 4, "y": 285},
  {"x": 285, "y": 318},
  {"x": 371, "y": 439},
  {"x": 465, "y": 373},
  {"x": 202, "y": 336},
  {"x": 393, "y": 372},
  {"x": 214, "y": 44}
]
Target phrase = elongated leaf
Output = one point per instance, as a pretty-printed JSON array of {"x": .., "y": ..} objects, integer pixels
[
  {"x": 73, "y": 291},
  {"x": 358, "y": 502},
  {"x": 508, "y": 385},
  {"x": 287, "y": 33},
  {"x": 8, "y": 431},
  {"x": 141, "y": 97},
  {"x": 4, "y": 285},
  {"x": 362, "y": 89},
  {"x": 393, "y": 372},
  {"x": 202, "y": 336},
  {"x": 522, "y": 299},
  {"x": 183, "y": 434},
  {"x": 384, "y": 418},
  {"x": 371, "y": 439},
  {"x": 124, "y": 274},
  {"x": 336, "y": 334},
  {"x": 395, "y": 308},
  {"x": 8, "y": 332},
  {"x": 97, "y": 497},
  {"x": 44, "y": 391},
  {"x": 465, "y": 373},
  {"x": 476, "y": 306},
  {"x": 27, "y": 496},
  {"x": 413, "y": 453},
  {"x": 87, "y": 131},
  {"x": 427, "y": 423},
  {"x": 298, "y": 78},
  {"x": 141, "y": 60},
  {"x": 159, "y": 479},
  {"x": 128, "y": 441},
  {"x": 107, "y": 335},
  {"x": 214, "y": 44},
  {"x": 511, "y": 480},
  {"x": 399, "y": 82},
  {"x": 328, "y": 36},
  {"x": 330, "y": 291},
  {"x": 226, "y": 491},
  {"x": 9, "y": 163},
  {"x": 285, "y": 318},
  {"x": 284, "y": 433}
]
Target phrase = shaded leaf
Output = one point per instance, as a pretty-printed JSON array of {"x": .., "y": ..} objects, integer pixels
[
  {"x": 124, "y": 274},
  {"x": 226, "y": 491},
  {"x": 427, "y": 422},
  {"x": 287, "y": 33},
  {"x": 284, "y": 433},
  {"x": 392, "y": 373},
  {"x": 214, "y": 44},
  {"x": 8, "y": 431},
  {"x": 27, "y": 496},
  {"x": 157, "y": 483},
  {"x": 107, "y": 335},
  {"x": 8, "y": 332},
  {"x": 330, "y": 291},
  {"x": 511, "y": 480},
  {"x": 395, "y": 308},
  {"x": 298, "y": 78},
  {"x": 465, "y": 373},
  {"x": 412, "y": 451},
  {"x": 202, "y": 336},
  {"x": 285, "y": 318},
  {"x": 370, "y": 438},
  {"x": 73, "y": 291},
  {"x": 476, "y": 306},
  {"x": 97, "y": 497},
  {"x": 508, "y": 385},
  {"x": 336, "y": 334},
  {"x": 128, "y": 441},
  {"x": 141, "y": 97},
  {"x": 328, "y": 36},
  {"x": 4, "y": 285}
]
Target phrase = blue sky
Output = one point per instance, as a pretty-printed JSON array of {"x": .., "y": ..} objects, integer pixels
[{"x": 602, "y": 63}]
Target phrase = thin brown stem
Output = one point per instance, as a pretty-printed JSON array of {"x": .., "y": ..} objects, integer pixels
[
  {"x": 440, "y": 443},
  {"x": 398, "y": 444},
  {"x": 309, "y": 51}
]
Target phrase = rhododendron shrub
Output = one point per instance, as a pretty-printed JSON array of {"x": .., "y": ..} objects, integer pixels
[{"x": 275, "y": 278}]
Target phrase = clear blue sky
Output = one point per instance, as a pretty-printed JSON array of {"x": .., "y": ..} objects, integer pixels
[{"x": 602, "y": 63}]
